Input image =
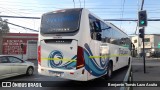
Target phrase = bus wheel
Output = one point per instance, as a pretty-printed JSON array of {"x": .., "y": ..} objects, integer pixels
[{"x": 109, "y": 70}]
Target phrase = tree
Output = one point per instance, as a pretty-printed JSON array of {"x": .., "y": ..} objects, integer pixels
[{"x": 4, "y": 28}]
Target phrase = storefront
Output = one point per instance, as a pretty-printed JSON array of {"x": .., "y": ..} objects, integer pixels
[{"x": 22, "y": 45}]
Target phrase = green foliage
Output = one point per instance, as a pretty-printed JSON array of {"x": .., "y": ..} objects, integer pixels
[{"x": 4, "y": 28}]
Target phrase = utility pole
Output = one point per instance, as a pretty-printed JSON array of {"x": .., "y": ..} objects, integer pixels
[
  {"x": 80, "y": 3},
  {"x": 74, "y": 3}
]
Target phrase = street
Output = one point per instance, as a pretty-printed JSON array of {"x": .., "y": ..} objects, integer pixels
[
  {"x": 101, "y": 44},
  {"x": 117, "y": 76},
  {"x": 152, "y": 72},
  {"x": 149, "y": 61},
  {"x": 59, "y": 83}
]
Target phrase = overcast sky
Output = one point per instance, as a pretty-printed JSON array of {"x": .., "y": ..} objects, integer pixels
[{"x": 105, "y": 9}]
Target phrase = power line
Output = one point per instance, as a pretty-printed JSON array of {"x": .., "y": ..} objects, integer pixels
[
  {"x": 10, "y": 11},
  {"x": 109, "y": 8},
  {"x": 84, "y": 3},
  {"x": 19, "y": 17},
  {"x": 103, "y": 19},
  {"x": 34, "y": 6},
  {"x": 67, "y": 4},
  {"x": 80, "y": 3},
  {"x": 23, "y": 27},
  {"x": 74, "y": 3},
  {"x": 20, "y": 26},
  {"x": 129, "y": 19},
  {"x": 141, "y": 9},
  {"x": 15, "y": 13},
  {"x": 137, "y": 22},
  {"x": 154, "y": 27},
  {"x": 122, "y": 12}
]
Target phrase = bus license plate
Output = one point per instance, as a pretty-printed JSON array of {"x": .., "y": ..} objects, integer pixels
[{"x": 54, "y": 73}]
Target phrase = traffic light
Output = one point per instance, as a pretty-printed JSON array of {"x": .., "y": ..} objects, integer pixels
[
  {"x": 142, "y": 18},
  {"x": 141, "y": 33}
]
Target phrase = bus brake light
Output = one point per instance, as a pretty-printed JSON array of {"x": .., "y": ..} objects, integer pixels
[
  {"x": 80, "y": 58},
  {"x": 39, "y": 55}
]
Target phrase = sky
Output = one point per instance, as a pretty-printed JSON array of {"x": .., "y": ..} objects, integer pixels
[{"x": 105, "y": 9}]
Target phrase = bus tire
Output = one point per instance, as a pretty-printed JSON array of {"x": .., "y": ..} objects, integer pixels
[{"x": 109, "y": 70}]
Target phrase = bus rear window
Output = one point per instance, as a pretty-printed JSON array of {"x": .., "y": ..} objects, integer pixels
[{"x": 61, "y": 21}]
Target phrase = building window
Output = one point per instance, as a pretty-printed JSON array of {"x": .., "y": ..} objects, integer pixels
[
  {"x": 135, "y": 41},
  {"x": 147, "y": 40}
]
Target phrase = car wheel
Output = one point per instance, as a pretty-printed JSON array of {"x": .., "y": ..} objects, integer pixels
[
  {"x": 30, "y": 71},
  {"x": 109, "y": 70}
]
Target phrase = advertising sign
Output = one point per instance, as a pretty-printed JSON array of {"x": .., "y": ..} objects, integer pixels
[{"x": 12, "y": 46}]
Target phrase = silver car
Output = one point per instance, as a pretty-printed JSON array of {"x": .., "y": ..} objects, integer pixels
[{"x": 13, "y": 66}]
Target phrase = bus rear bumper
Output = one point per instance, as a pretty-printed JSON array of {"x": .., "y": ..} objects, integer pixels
[{"x": 77, "y": 75}]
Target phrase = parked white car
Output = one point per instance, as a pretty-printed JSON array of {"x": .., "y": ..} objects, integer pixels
[{"x": 13, "y": 66}]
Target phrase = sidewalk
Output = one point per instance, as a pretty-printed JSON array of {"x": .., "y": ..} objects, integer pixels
[
  {"x": 139, "y": 58},
  {"x": 152, "y": 73}
]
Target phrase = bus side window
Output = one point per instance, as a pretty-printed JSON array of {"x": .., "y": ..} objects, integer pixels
[
  {"x": 106, "y": 32},
  {"x": 95, "y": 28},
  {"x": 93, "y": 34},
  {"x": 114, "y": 37},
  {"x": 91, "y": 25}
]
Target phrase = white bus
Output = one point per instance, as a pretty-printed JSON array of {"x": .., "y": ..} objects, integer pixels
[{"x": 77, "y": 45}]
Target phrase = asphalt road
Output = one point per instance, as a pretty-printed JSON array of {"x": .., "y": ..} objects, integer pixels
[
  {"x": 97, "y": 84},
  {"x": 61, "y": 84},
  {"x": 117, "y": 76},
  {"x": 152, "y": 72},
  {"x": 149, "y": 62}
]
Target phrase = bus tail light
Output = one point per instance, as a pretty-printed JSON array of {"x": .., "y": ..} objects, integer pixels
[
  {"x": 80, "y": 58},
  {"x": 39, "y": 55},
  {"x": 72, "y": 73}
]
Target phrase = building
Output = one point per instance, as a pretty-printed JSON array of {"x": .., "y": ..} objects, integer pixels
[
  {"x": 22, "y": 45},
  {"x": 151, "y": 43}
]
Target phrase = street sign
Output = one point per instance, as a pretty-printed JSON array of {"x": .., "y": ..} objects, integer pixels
[{"x": 159, "y": 45}]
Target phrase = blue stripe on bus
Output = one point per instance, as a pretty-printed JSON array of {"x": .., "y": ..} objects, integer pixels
[
  {"x": 91, "y": 64},
  {"x": 91, "y": 67}
]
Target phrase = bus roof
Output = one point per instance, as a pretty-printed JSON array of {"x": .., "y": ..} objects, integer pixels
[
  {"x": 62, "y": 10},
  {"x": 110, "y": 24}
]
